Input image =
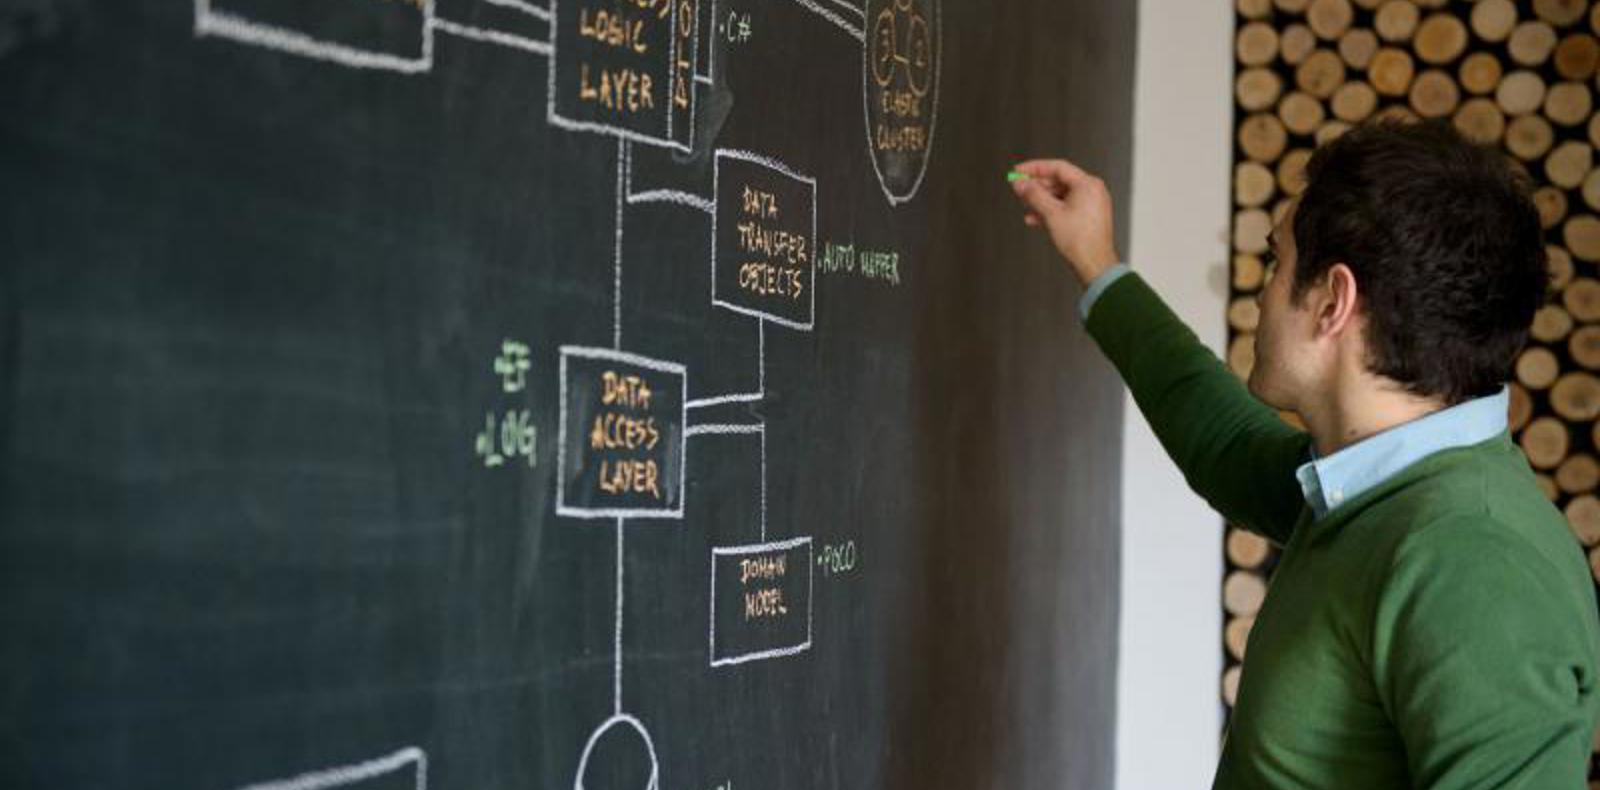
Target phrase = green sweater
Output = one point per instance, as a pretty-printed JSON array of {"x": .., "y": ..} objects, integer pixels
[{"x": 1438, "y": 631}]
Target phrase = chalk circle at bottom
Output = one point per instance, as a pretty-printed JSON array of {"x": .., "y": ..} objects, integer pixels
[{"x": 626, "y": 722}]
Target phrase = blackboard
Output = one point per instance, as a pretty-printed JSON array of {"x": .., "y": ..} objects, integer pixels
[{"x": 551, "y": 393}]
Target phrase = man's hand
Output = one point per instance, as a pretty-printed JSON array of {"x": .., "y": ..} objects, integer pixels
[{"x": 1075, "y": 208}]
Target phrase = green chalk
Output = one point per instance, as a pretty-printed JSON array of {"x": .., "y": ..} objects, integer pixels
[{"x": 1015, "y": 176}]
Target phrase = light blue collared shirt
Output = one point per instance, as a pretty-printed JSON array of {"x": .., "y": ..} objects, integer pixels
[{"x": 1327, "y": 483}]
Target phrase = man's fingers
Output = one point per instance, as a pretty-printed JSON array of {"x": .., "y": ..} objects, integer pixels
[
  {"x": 1040, "y": 199},
  {"x": 1057, "y": 171}
]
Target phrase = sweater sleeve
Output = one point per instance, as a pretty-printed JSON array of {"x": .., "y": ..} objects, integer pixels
[
  {"x": 1232, "y": 449},
  {"x": 1479, "y": 660},
  {"x": 1099, "y": 286}
]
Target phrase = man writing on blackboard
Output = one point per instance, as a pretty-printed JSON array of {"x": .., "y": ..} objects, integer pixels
[{"x": 1432, "y": 622}]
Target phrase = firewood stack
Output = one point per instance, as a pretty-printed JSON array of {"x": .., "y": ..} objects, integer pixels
[{"x": 1519, "y": 74}]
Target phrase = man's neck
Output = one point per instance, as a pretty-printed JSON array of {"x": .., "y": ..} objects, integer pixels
[{"x": 1362, "y": 407}]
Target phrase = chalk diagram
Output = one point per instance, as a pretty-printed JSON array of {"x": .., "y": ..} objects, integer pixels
[{"x": 626, "y": 420}]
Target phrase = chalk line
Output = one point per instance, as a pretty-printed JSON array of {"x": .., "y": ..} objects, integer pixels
[
  {"x": 725, "y": 429},
  {"x": 616, "y": 661},
  {"x": 743, "y": 397},
  {"x": 492, "y": 37},
  {"x": 834, "y": 17},
  {"x": 763, "y": 485},
  {"x": 761, "y": 378},
  {"x": 356, "y": 772},
  {"x": 761, "y": 357},
  {"x": 711, "y": 47},
  {"x": 542, "y": 12},
  {"x": 584, "y": 352},
  {"x": 675, "y": 197},
  {"x": 622, "y": 192},
  {"x": 852, "y": 8},
  {"x": 223, "y": 24}
]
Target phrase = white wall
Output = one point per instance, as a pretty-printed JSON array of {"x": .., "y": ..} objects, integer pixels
[{"x": 1169, "y": 706}]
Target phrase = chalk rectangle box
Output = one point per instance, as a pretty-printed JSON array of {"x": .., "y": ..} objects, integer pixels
[
  {"x": 735, "y": 175},
  {"x": 608, "y": 56},
  {"x": 582, "y": 469},
  {"x": 757, "y": 612}
]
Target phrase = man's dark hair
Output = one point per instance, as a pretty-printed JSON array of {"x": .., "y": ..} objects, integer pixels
[{"x": 1445, "y": 244}]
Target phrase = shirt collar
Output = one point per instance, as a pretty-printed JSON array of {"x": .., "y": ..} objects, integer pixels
[{"x": 1330, "y": 482}]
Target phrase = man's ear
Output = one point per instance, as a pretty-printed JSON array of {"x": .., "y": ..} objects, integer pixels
[{"x": 1340, "y": 294}]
